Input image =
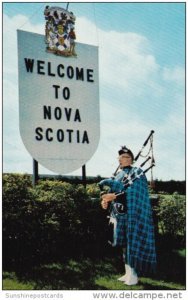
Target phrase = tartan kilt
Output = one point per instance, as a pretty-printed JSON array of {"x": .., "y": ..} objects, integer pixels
[{"x": 120, "y": 231}]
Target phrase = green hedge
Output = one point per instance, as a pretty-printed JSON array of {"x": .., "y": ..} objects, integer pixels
[
  {"x": 50, "y": 221},
  {"x": 57, "y": 219},
  {"x": 171, "y": 214}
]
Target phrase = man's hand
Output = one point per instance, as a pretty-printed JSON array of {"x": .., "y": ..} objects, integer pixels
[{"x": 107, "y": 198}]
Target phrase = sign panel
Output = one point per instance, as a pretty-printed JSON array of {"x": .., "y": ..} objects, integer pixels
[{"x": 58, "y": 103}]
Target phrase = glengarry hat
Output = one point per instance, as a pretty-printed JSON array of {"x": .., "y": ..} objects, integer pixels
[{"x": 124, "y": 149}]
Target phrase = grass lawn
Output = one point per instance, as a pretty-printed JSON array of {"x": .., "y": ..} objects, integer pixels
[{"x": 95, "y": 274}]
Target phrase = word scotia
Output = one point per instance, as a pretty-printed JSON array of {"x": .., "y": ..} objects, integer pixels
[{"x": 60, "y": 135}]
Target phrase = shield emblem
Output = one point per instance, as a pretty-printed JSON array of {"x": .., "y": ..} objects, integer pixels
[
  {"x": 60, "y": 33},
  {"x": 58, "y": 103}
]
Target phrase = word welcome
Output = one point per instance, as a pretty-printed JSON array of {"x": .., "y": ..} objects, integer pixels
[{"x": 46, "y": 68}]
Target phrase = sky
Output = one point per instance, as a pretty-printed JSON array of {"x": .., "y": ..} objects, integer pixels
[{"x": 141, "y": 81}]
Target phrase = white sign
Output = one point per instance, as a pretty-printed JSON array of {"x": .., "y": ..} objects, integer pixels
[{"x": 58, "y": 103}]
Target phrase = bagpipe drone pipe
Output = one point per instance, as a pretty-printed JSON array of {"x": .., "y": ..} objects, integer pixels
[{"x": 118, "y": 207}]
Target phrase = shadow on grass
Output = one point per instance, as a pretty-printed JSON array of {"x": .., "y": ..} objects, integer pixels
[
  {"x": 70, "y": 274},
  {"x": 89, "y": 273},
  {"x": 171, "y": 262}
]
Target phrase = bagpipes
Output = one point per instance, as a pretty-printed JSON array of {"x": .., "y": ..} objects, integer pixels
[{"x": 118, "y": 207}]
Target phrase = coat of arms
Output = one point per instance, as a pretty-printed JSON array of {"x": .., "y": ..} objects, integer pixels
[{"x": 60, "y": 31}]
